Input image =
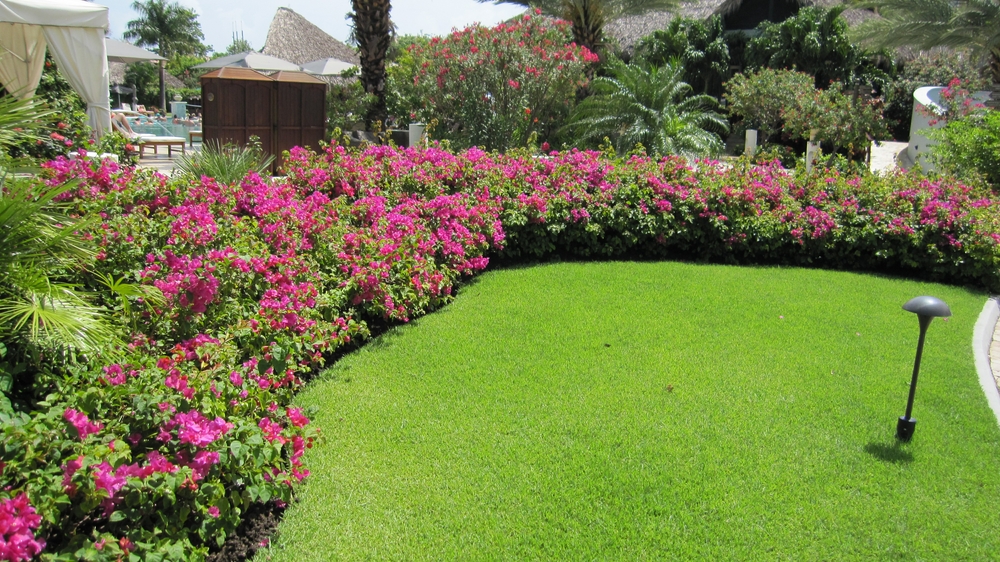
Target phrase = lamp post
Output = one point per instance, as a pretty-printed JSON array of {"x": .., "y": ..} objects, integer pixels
[{"x": 926, "y": 308}]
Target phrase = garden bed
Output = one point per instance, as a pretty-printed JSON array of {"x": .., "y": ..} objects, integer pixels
[{"x": 229, "y": 296}]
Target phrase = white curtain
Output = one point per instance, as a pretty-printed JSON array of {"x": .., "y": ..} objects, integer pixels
[
  {"x": 81, "y": 56},
  {"x": 22, "y": 56}
]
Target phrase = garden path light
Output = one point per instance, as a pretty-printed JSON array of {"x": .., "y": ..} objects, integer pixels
[{"x": 926, "y": 308}]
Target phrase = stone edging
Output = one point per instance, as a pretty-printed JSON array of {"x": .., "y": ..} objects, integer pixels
[{"x": 986, "y": 349}]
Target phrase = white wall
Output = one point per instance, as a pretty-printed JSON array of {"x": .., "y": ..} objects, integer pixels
[{"x": 926, "y": 103}]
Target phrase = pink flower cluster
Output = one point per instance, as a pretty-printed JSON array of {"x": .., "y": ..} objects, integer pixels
[
  {"x": 193, "y": 428},
  {"x": 82, "y": 423},
  {"x": 18, "y": 521}
]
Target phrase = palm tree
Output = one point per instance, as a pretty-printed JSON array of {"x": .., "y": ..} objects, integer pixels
[
  {"x": 590, "y": 16},
  {"x": 169, "y": 29},
  {"x": 372, "y": 32},
  {"x": 972, "y": 24},
  {"x": 636, "y": 104}
]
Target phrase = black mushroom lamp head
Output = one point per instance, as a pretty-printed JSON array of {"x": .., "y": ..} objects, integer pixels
[{"x": 932, "y": 307}]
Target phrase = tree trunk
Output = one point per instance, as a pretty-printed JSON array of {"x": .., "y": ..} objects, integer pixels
[{"x": 373, "y": 33}]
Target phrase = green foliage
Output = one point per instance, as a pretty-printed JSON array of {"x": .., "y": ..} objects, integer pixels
[
  {"x": 180, "y": 65},
  {"x": 346, "y": 106},
  {"x": 936, "y": 68},
  {"x": 146, "y": 79},
  {"x": 239, "y": 45},
  {"x": 117, "y": 144},
  {"x": 62, "y": 128},
  {"x": 167, "y": 28},
  {"x": 226, "y": 163},
  {"x": 815, "y": 41},
  {"x": 760, "y": 98},
  {"x": 491, "y": 87},
  {"x": 700, "y": 46},
  {"x": 925, "y": 24},
  {"x": 970, "y": 147},
  {"x": 652, "y": 107},
  {"x": 588, "y": 17},
  {"x": 845, "y": 122}
]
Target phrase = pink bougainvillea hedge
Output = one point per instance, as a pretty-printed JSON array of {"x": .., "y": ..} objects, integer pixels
[{"x": 159, "y": 449}]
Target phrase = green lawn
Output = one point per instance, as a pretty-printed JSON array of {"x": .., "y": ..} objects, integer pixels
[{"x": 651, "y": 411}]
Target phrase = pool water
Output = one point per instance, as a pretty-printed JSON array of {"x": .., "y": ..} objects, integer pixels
[{"x": 164, "y": 128}]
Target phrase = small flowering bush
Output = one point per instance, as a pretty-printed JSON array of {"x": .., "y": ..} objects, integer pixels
[
  {"x": 492, "y": 87},
  {"x": 159, "y": 449}
]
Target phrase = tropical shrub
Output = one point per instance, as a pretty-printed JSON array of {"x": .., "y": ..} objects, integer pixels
[
  {"x": 844, "y": 122},
  {"x": 700, "y": 46},
  {"x": 491, "y": 87},
  {"x": 226, "y": 163},
  {"x": 760, "y": 98},
  {"x": 928, "y": 69},
  {"x": 65, "y": 122},
  {"x": 650, "y": 106},
  {"x": 970, "y": 147},
  {"x": 346, "y": 106},
  {"x": 816, "y": 41}
]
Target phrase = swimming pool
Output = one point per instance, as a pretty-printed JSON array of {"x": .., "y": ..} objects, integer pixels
[{"x": 164, "y": 128}]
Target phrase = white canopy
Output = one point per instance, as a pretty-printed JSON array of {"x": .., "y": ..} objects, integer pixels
[
  {"x": 120, "y": 51},
  {"x": 252, "y": 60},
  {"x": 327, "y": 67},
  {"x": 74, "y": 32}
]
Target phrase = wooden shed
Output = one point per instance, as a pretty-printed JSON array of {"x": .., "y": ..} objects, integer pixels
[{"x": 284, "y": 110}]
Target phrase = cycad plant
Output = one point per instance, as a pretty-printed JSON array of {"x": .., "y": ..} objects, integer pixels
[
  {"x": 43, "y": 310},
  {"x": 651, "y": 106},
  {"x": 226, "y": 163}
]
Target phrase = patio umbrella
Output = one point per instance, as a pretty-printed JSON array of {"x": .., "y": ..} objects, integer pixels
[
  {"x": 252, "y": 60},
  {"x": 327, "y": 67},
  {"x": 120, "y": 51}
]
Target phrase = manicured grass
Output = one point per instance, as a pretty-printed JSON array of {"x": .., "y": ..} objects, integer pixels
[{"x": 655, "y": 411}]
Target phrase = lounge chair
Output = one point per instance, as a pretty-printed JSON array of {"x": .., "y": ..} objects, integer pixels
[{"x": 154, "y": 141}]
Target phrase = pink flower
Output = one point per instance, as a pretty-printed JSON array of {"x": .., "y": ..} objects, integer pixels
[
  {"x": 194, "y": 428},
  {"x": 69, "y": 469},
  {"x": 18, "y": 521},
  {"x": 295, "y": 416},
  {"x": 82, "y": 423},
  {"x": 213, "y": 511}
]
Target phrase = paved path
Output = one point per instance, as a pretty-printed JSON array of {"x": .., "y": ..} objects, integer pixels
[{"x": 888, "y": 156}]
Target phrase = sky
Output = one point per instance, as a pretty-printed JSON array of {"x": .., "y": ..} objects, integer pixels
[{"x": 219, "y": 18}]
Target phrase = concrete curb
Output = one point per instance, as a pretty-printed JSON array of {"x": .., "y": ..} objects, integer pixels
[{"x": 982, "y": 337}]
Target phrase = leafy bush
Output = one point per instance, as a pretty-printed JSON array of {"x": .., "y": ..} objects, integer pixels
[
  {"x": 652, "y": 107},
  {"x": 700, "y": 46},
  {"x": 347, "y": 104},
  {"x": 226, "y": 163},
  {"x": 491, "y": 87},
  {"x": 119, "y": 145},
  {"x": 815, "y": 41},
  {"x": 66, "y": 123},
  {"x": 843, "y": 121},
  {"x": 970, "y": 146},
  {"x": 760, "y": 98},
  {"x": 927, "y": 69}
]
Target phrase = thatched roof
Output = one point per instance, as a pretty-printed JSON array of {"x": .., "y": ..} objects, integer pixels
[
  {"x": 629, "y": 30},
  {"x": 117, "y": 71},
  {"x": 295, "y": 39}
]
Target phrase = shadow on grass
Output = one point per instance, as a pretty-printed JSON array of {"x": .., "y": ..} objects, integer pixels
[{"x": 891, "y": 452}]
